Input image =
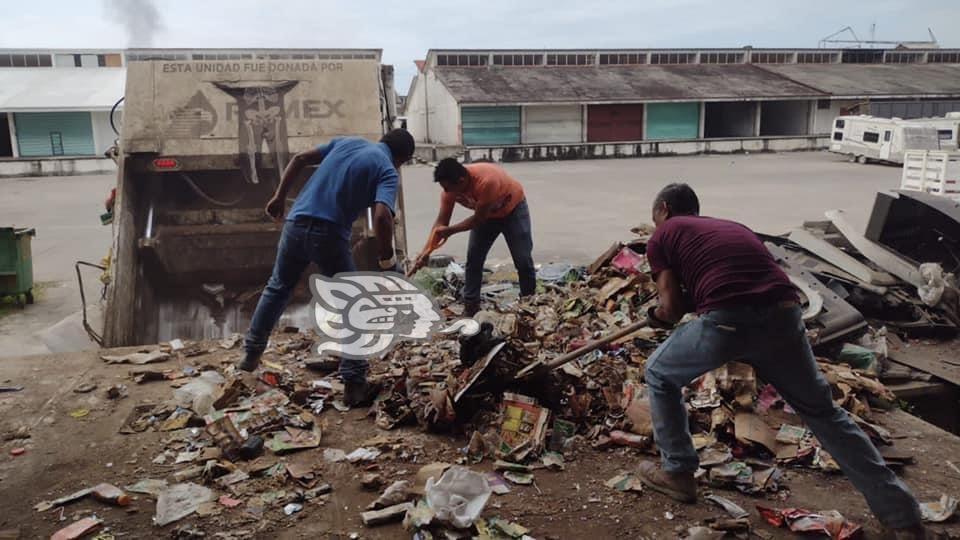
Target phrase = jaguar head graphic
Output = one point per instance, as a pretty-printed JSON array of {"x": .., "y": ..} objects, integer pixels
[{"x": 362, "y": 315}]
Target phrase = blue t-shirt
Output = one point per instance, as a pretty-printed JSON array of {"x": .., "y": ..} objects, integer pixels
[{"x": 354, "y": 175}]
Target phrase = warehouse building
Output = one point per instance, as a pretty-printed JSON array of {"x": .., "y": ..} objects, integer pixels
[
  {"x": 56, "y": 103},
  {"x": 486, "y": 98}
]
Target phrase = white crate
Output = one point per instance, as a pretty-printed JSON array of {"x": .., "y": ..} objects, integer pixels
[{"x": 932, "y": 171}]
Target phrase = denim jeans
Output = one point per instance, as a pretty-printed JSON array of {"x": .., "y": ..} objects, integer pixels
[
  {"x": 515, "y": 229},
  {"x": 773, "y": 341},
  {"x": 302, "y": 242}
]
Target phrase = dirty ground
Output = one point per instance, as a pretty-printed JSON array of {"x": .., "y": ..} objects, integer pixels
[{"x": 64, "y": 454}]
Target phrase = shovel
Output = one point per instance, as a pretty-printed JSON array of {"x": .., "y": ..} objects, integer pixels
[{"x": 542, "y": 367}]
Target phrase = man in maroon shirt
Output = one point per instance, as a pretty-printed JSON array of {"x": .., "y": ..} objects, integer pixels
[{"x": 748, "y": 312}]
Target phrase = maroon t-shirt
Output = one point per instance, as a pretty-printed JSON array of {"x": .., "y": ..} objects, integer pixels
[{"x": 721, "y": 263}]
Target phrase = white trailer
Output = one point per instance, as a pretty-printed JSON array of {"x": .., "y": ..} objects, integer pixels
[
  {"x": 868, "y": 138},
  {"x": 931, "y": 171}
]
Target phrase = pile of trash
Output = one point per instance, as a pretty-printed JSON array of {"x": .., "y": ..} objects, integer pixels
[{"x": 232, "y": 440}]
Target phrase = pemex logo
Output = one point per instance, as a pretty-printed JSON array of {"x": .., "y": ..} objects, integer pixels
[{"x": 364, "y": 314}]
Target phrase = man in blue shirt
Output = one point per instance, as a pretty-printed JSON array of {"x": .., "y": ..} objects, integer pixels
[{"x": 353, "y": 174}]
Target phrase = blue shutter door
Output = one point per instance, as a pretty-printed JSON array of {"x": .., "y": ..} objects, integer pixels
[
  {"x": 483, "y": 126},
  {"x": 673, "y": 120},
  {"x": 54, "y": 134}
]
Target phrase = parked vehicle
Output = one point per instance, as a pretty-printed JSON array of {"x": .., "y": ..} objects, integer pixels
[
  {"x": 931, "y": 171},
  {"x": 201, "y": 151},
  {"x": 867, "y": 138}
]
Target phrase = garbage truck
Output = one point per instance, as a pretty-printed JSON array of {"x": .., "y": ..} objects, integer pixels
[{"x": 203, "y": 142}]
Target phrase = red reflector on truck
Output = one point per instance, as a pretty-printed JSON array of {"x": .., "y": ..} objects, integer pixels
[{"x": 166, "y": 163}]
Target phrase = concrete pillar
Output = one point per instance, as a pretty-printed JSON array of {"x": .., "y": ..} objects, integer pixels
[
  {"x": 12, "y": 126},
  {"x": 756, "y": 119},
  {"x": 583, "y": 122},
  {"x": 703, "y": 119}
]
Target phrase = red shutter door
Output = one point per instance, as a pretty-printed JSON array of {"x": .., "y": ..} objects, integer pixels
[{"x": 606, "y": 123}]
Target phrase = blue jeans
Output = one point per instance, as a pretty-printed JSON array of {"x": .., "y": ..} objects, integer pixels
[
  {"x": 302, "y": 242},
  {"x": 771, "y": 339},
  {"x": 515, "y": 229}
]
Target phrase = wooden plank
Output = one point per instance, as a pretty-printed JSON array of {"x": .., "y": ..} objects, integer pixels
[
  {"x": 939, "y": 367},
  {"x": 837, "y": 257},
  {"x": 877, "y": 254}
]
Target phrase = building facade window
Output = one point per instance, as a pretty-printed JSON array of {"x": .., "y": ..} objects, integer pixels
[
  {"x": 898, "y": 57},
  {"x": 862, "y": 56},
  {"x": 943, "y": 58},
  {"x": 623, "y": 59},
  {"x": 721, "y": 58},
  {"x": 25, "y": 60},
  {"x": 517, "y": 59},
  {"x": 570, "y": 59},
  {"x": 814, "y": 58},
  {"x": 771, "y": 58},
  {"x": 462, "y": 59},
  {"x": 672, "y": 58}
]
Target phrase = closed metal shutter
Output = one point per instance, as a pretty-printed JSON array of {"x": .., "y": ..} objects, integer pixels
[
  {"x": 552, "y": 124},
  {"x": 485, "y": 126},
  {"x": 608, "y": 123},
  {"x": 673, "y": 120},
  {"x": 54, "y": 134}
]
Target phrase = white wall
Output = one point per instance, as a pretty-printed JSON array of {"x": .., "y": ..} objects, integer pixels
[
  {"x": 552, "y": 124},
  {"x": 823, "y": 118},
  {"x": 103, "y": 135},
  {"x": 431, "y": 102},
  {"x": 413, "y": 111}
]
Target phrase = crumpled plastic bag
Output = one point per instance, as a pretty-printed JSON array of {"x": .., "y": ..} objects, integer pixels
[
  {"x": 459, "y": 497},
  {"x": 932, "y": 291}
]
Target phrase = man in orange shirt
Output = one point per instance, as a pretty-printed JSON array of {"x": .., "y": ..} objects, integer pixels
[{"x": 499, "y": 207}]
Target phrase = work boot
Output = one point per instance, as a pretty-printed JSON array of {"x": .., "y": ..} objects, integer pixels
[
  {"x": 250, "y": 362},
  {"x": 359, "y": 393},
  {"x": 471, "y": 308},
  {"x": 679, "y": 486}
]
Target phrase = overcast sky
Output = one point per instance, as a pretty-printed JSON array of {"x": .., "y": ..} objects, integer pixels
[{"x": 405, "y": 30}]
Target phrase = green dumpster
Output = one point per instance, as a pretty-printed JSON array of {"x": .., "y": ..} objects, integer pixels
[{"x": 16, "y": 263}]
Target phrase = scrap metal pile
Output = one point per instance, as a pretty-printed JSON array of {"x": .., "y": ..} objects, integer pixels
[{"x": 257, "y": 444}]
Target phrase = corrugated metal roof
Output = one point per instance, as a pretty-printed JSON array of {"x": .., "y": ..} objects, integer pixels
[
  {"x": 60, "y": 89},
  {"x": 617, "y": 83},
  {"x": 875, "y": 80}
]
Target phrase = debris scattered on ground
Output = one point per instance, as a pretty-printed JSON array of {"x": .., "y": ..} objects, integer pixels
[
  {"x": 138, "y": 358},
  {"x": 828, "y": 522},
  {"x": 179, "y": 501},
  {"x": 231, "y": 442},
  {"x": 458, "y": 496},
  {"x": 78, "y": 529},
  {"x": 939, "y": 511}
]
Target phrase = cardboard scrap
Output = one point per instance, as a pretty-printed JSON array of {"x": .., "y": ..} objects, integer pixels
[
  {"x": 791, "y": 434},
  {"x": 372, "y": 518},
  {"x": 749, "y": 427},
  {"x": 293, "y": 439},
  {"x": 939, "y": 511},
  {"x": 138, "y": 358},
  {"x": 625, "y": 482},
  {"x": 524, "y": 426},
  {"x": 78, "y": 529}
]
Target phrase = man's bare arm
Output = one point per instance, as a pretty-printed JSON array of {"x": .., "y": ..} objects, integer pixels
[
  {"x": 671, "y": 308},
  {"x": 383, "y": 229},
  {"x": 480, "y": 215}
]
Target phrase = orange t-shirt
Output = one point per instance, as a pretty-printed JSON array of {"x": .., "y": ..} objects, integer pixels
[{"x": 488, "y": 185}]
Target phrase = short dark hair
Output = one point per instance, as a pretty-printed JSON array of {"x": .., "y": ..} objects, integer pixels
[
  {"x": 449, "y": 170},
  {"x": 401, "y": 144},
  {"x": 680, "y": 198}
]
